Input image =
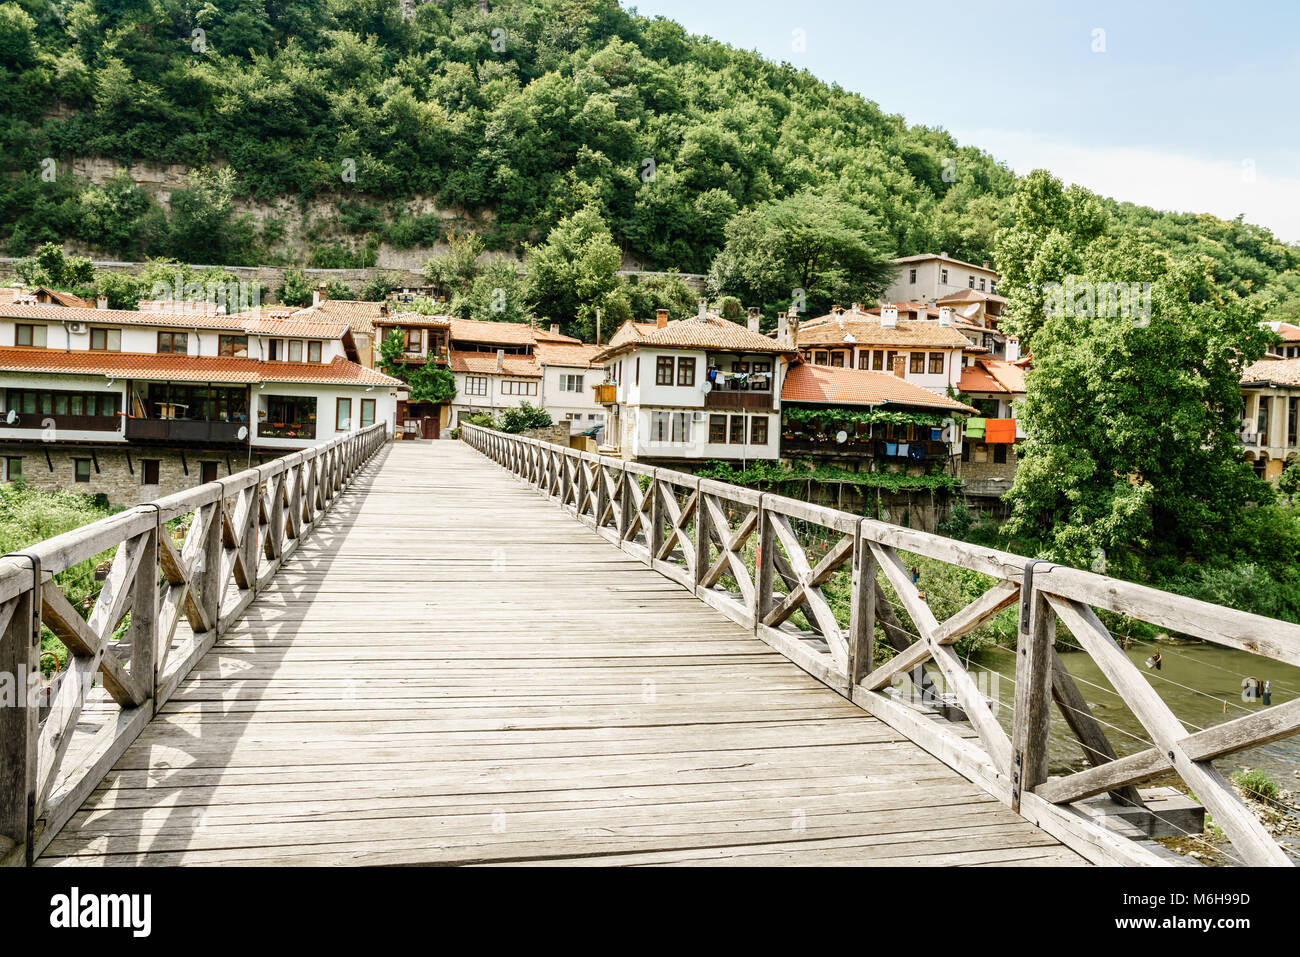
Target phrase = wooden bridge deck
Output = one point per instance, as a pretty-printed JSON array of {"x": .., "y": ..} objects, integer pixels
[{"x": 448, "y": 671}]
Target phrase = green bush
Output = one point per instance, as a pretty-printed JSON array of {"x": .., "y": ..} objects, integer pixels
[{"x": 1256, "y": 783}]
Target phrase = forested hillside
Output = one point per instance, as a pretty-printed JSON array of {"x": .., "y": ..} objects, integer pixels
[{"x": 514, "y": 117}]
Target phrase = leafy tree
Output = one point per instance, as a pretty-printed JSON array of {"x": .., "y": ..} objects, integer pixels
[
  {"x": 454, "y": 271},
  {"x": 806, "y": 251},
  {"x": 525, "y": 416},
  {"x": 53, "y": 268},
  {"x": 496, "y": 294},
  {"x": 297, "y": 289},
  {"x": 378, "y": 285},
  {"x": 1288, "y": 483},
  {"x": 427, "y": 382},
  {"x": 574, "y": 272}
]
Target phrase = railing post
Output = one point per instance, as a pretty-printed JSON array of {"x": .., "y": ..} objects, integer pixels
[
  {"x": 144, "y": 615},
  {"x": 703, "y": 524},
  {"x": 210, "y": 581},
  {"x": 20, "y": 646},
  {"x": 1031, "y": 721},
  {"x": 764, "y": 559},
  {"x": 862, "y": 611}
]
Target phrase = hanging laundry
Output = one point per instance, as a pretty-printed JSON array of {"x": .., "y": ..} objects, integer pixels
[
  {"x": 902, "y": 449},
  {"x": 916, "y": 453},
  {"x": 975, "y": 428},
  {"x": 1000, "y": 431},
  {"x": 936, "y": 435},
  {"x": 891, "y": 448}
]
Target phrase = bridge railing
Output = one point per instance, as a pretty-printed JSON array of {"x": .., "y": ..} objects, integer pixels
[
  {"x": 815, "y": 583},
  {"x": 183, "y": 569}
]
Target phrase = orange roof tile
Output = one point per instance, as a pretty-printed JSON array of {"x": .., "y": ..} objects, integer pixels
[
  {"x": 357, "y": 313},
  {"x": 805, "y": 382},
  {"x": 485, "y": 363},
  {"x": 184, "y": 368},
  {"x": 503, "y": 333},
  {"x": 713, "y": 333},
  {"x": 866, "y": 330},
  {"x": 574, "y": 354},
  {"x": 1272, "y": 372},
  {"x": 993, "y": 375},
  {"x": 119, "y": 317}
]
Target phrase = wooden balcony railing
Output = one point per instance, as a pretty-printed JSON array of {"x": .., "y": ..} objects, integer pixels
[
  {"x": 184, "y": 430},
  {"x": 180, "y": 597},
  {"x": 767, "y": 561},
  {"x": 606, "y": 393},
  {"x": 735, "y": 399}
]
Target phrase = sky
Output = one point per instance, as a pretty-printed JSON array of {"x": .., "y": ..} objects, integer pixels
[{"x": 1190, "y": 107}]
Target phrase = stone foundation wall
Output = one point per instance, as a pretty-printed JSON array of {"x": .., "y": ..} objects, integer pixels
[
  {"x": 557, "y": 434},
  {"x": 118, "y": 474}
]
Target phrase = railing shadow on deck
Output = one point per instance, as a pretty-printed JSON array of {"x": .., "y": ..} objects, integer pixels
[
  {"x": 742, "y": 552},
  {"x": 176, "y": 598}
]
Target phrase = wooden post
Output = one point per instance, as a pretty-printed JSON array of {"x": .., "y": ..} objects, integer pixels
[
  {"x": 1031, "y": 722},
  {"x": 765, "y": 560},
  {"x": 20, "y": 645},
  {"x": 654, "y": 536},
  {"x": 862, "y": 611},
  {"x": 210, "y": 582},
  {"x": 144, "y": 615},
  {"x": 703, "y": 526}
]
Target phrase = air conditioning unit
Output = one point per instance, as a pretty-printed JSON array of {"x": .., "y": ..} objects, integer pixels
[
  {"x": 697, "y": 416},
  {"x": 77, "y": 328}
]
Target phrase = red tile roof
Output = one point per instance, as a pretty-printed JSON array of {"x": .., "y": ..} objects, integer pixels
[
  {"x": 502, "y": 333},
  {"x": 1272, "y": 372},
  {"x": 714, "y": 333},
  {"x": 866, "y": 330},
  {"x": 805, "y": 382},
  {"x": 119, "y": 317},
  {"x": 573, "y": 354},
  {"x": 993, "y": 375},
  {"x": 485, "y": 363},
  {"x": 357, "y": 313},
  {"x": 184, "y": 368}
]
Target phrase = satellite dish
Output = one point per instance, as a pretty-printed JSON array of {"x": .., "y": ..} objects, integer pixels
[
  {"x": 242, "y": 433},
  {"x": 12, "y": 417},
  {"x": 841, "y": 437},
  {"x": 708, "y": 386}
]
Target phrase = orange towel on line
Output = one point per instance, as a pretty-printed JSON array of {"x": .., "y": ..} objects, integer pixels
[{"x": 998, "y": 431}]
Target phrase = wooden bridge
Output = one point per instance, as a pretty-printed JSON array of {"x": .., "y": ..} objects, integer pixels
[{"x": 380, "y": 653}]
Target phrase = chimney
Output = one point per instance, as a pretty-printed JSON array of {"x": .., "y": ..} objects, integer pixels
[
  {"x": 704, "y": 310},
  {"x": 794, "y": 331},
  {"x": 944, "y": 254},
  {"x": 501, "y": 361},
  {"x": 836, "y": 310},
  {"x": 888, "y": 317},
  {"x": 101, "y": 302},
  {"x": 661, "y": 317},
  {"x": 782, "y": 328},
  {"x": 1013, "y": 348},
  {"x": 555, "y": 328},
  {"x": 986, "y": 264},
  {"x": 899, "y": 364},
  {"x": 857, "y": 307},
  {"x": 945, "y": 316},
  {"x": 753, "y": 318}
]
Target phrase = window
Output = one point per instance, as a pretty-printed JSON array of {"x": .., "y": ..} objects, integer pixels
[
  {"x": 414, "y": 340},
  {"x": 965, "y": 451},
  {"x": 943, "y": 276},
  {"x": 343, "y": 415},
  {"x": 981, "y": 284},
  {"x": 837, "y": 360},
  {"x": 570, "y": 383},
  {"x": 878, "y": 360},
  {"x": 972, "y": 282},
  {"x": 636, "y": 372},
  {"x": 149, "y": 471},
  {"x": 993, "y": 287},
  {"x": 918, "y": 363},
  {"x": 1000, "y": 453},
  {"x": 231, "y": 346},
  {"x": 13, "y": 468},
  {"x": 476, "y": 385},
  {"x": 864, "y": 359},
  {"x": 659, "y": 426},
  {"x": 664, "y": 370},
  {"x": 681, "y": 426},
  {"x": 289, "y": 417},
  {"x": 106, "y": 340},
  {"x": 367, "y": 412},
  {"x": 1292, "y": 408},
  {"x": 207, "y": 472},
  {"x": 911, "y": 276},
  {"x": 737, "y": 430},
  {"x": 717, "y": 429},
  {"x": 313, "y": 351},
  {"x": 512, "y": 387},
  {"x": 176, "y": 342},
  {"x": 81, "y": 470},
  {"x": 686, "y": 370},
  {"x": 758, "y": 430},
  {"x": 761, "y": 380},
  {"x": 1261, "y": 421},
  {"x": 33, "y": 336},
  {"x": 295, "y": 350},
  {"x": 889, "y": 360},
  {"x": 936, "y": 363},
  {"x": 32, "y": 402},
  {"x": 820, "y": 358}
]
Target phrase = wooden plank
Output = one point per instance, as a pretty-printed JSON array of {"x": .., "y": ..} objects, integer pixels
[{"x": 1031, "y": 720}]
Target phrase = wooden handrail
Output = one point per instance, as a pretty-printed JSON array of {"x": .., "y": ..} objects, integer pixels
[
  {"x": 701, "y": 533},
  {"x": 242, "y": 528}
]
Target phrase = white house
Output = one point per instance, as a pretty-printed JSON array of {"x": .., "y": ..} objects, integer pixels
[
  {"x": 700, "y": 388},
  {"x": 567, "y": 380},
  {"x": 117, "y": 400}
]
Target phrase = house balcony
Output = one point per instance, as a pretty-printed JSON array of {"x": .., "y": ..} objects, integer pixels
[
  {"x": 864, "y": 448},
  {"x": 606, "y": 394},
  {"x": 184, "y": 430},
  {"x": 734, "y": 399},
  {"x": 68, "y": 423},
  {"x": 286, "y": 430}
]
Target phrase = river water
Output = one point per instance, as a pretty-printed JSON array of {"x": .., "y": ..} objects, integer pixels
[{"x": 1201, "y": 683}]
